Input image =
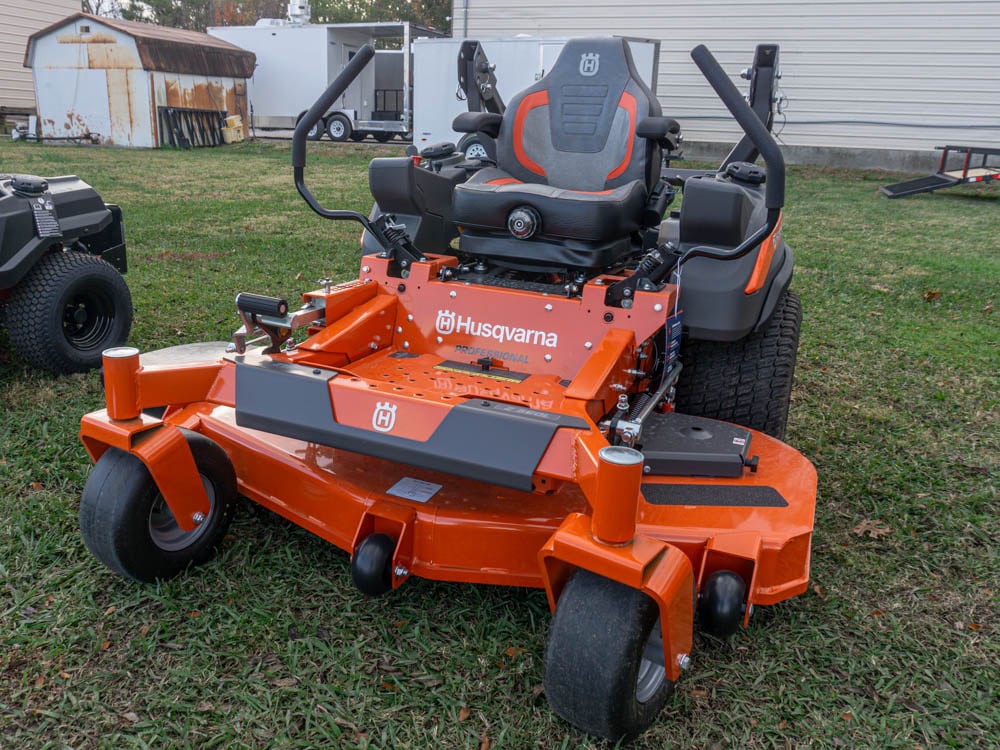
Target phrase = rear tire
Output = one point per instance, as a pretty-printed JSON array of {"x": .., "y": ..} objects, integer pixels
[
  {"x": 338, "y": 128},
  {"x": 358, "y": 135},
  {"x": 68, "y": 309},
  {"x": 383, "y": 137},
  {"x": 126, "y": 524},
  {"x": 599, "y": 674},
  {"x": 746, "y": 382}
]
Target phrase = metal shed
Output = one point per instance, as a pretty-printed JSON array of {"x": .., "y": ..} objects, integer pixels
[{"x": 135, "y": 84}]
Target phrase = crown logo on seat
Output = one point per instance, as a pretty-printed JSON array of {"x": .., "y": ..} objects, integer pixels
[{"x": 590, "y": 63}]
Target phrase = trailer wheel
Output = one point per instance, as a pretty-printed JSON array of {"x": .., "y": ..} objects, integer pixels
[
  {"x": 746, "y": 382},
  {"x": 126, "y": 524},
  {"x": 473, "y": 148},
  {"x": 604, "y": 658},
  {"x": 358, "y": 135},
  {"x": 338, "y": 128},
  {"x": 383, "y": 137},
  {"x": 68, "y": 309}
]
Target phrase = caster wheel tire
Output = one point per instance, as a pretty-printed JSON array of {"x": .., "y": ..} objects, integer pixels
[
  {"x": 746, "y": 382},
  {"x": 371, "y": 565},
  {"x": 722, "y": 603},
  {"x": 604, "y": 658},
  {"x": 338, "y": 128},
  {"x": 127, "y": 525},
  {"x": 68, "y": 309}
]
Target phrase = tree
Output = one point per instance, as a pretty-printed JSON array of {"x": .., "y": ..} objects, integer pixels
[
  {"x": 195, "y": 15},
  {"x": 433, "y": 13},
  {"x": 110, "y": 8}
]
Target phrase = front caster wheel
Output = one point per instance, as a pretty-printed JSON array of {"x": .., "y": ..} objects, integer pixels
[
  {"x": 371, "y": 565},
  {"x": 722, "y": 603},
  {"x": 604, "y": 664},
  {"x": 126, "y": 524}
]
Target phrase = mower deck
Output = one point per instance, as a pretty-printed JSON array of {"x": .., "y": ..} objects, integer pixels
[{"x": 449, "y": 526}]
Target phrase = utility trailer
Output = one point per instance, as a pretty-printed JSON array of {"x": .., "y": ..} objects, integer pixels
[
  {"x": 519, "y": 62},
  {"x": 297, "y": 60},
  {"x": 945, "y": 178}
]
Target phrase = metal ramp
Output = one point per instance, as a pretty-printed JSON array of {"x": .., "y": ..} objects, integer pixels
[{"x": 944, "y": 178}]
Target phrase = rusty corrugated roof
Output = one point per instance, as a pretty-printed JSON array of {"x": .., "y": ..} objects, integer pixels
[{"x": 171, "y": 50}]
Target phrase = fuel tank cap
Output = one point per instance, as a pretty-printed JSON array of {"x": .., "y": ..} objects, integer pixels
[{"x": 29, "y": 183}]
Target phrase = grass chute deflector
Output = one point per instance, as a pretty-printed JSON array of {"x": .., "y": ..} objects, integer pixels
[{"x": 489, "y": 413}]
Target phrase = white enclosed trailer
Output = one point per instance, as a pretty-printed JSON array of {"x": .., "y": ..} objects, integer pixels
[
  {"x": 297, "y": 61},
  {"x": 520, "y": 62}
]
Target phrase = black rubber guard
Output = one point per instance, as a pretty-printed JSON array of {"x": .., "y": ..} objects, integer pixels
[{"x": 489, "y": 441}]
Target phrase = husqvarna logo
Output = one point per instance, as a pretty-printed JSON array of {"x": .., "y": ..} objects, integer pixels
[
  {"x": 590, "y": 63},
  {"x": 448, "y": 322},
  {"x": 445, "y": 323},
  {"x": 384, "y": 416}
]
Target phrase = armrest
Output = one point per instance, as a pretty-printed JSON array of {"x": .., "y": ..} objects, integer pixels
[
  {"x": 487, "y": 123},
  {"x": 664, "y": 130}
]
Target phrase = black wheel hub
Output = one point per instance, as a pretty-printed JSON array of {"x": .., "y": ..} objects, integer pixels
[{"x": 88, "y": 317}]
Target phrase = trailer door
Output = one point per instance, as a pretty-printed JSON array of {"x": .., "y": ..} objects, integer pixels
[{"x": 352, "y": 97}]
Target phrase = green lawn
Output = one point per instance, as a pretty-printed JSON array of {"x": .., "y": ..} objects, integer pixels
[{"x": 896, "y": 402}]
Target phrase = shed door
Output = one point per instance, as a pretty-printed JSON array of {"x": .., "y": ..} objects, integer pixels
[{"x": 73, "y": 103}]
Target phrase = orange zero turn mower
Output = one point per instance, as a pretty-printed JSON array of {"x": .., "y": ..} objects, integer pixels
[{"x": 523, "y": 386}]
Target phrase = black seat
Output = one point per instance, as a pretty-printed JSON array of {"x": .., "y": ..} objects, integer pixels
[{"x": 572, "y": 176}]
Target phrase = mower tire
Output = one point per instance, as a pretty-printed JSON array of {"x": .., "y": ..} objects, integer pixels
[
  {"x": 126, "y": 524},
  {"x": 722, "y": 603},
  {"x": 746, "y": 382},
  {"x": 68, "y": 309},
  {"x": 338, "y": 128},
  {"x": 604, "y": 658}
]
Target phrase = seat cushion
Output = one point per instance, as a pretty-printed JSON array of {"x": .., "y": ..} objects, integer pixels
[{"x": 486, "y": 200}]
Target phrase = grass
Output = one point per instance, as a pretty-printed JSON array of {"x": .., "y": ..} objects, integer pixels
[{"x": 896, "y": 401}]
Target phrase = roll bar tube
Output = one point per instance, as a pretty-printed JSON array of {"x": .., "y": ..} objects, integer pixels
[
  {"x": 313, "y": 116},
  {"x": 774, "y": 195}
]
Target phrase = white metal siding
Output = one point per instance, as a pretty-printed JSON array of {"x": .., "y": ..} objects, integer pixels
[
  {"x": 887, "y": 74},
  {"x": 19, "y": 19}
]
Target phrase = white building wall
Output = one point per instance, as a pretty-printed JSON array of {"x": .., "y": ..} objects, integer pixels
[
  {"x": 879, "y": 74},
  {"x": 19, "y": 19}
]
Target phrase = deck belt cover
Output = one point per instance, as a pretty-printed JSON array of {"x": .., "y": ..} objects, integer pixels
[{"x": 489, "y": 441}]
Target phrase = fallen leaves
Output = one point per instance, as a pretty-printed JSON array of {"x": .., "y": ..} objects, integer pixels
[
  {"x": 464, "y": 713},
  {"x": 873, "y": 528},
  {"x": 931, "y": 295}
]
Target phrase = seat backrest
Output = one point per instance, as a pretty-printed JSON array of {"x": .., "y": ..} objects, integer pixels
[{"x": 575, "y": 128}]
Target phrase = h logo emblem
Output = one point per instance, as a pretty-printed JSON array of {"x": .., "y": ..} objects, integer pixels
[
  {"x": 590, "y": 63},
  {"x": 445, "y": 322},
  {"x": 384, "y": 416}
]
